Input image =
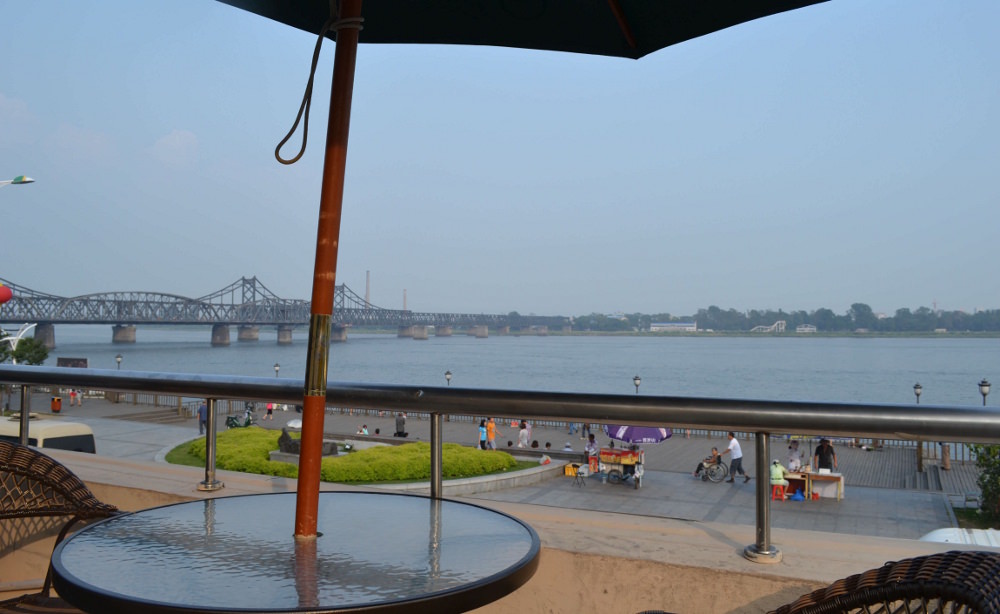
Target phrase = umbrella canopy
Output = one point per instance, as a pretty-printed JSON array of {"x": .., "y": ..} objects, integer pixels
[
  {"x": 621, "y": 28},
  {"x": 624, "y": 28},
  {"x": 637, "y": 434}
]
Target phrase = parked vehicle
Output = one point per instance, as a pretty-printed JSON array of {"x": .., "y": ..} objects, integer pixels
[
  {"x": 51, "y": 434},
  {"x": 234, "y": 422}
]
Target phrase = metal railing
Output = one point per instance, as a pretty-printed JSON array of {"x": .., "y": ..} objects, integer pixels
[{"x": 925, "y": 423}]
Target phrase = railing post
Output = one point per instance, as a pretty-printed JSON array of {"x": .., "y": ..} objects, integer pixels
[
  {"x": 25, "y": 414},
  {"x": 210, "y": 483},
  {"x": 762, "y": 551},
  {"x": 437, "y": 432}
]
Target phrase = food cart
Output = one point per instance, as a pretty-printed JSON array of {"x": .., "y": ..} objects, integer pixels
[{"x": 620, "y": 464}]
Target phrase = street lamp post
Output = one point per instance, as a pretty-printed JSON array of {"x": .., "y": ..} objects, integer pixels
[
  {"x": 19, "y": 180},
  {"x": 277, "y": 368},
  {"x": 637, "y": 380},
  {"x": 118, "y": 359},
  {"x": 447, "y": 377},
  {"x": 917, "y": 390},
  {"x": 984, "y": 389}
]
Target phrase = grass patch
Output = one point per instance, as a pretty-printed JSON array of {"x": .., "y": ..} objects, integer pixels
[
  {"x": 248, "y": 450},
  {"x": 971, "y": 518}
]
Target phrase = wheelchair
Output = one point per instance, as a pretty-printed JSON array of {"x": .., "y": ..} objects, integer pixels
[{"x": 715, "y": 472}]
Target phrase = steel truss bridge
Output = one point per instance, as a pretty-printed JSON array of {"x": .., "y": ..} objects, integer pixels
[{"x": 245, "y": 302}]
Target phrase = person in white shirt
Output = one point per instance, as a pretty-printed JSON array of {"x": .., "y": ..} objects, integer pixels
[
  {"x": 794, "y": 456},
  {"x": 737, "y": 455}
]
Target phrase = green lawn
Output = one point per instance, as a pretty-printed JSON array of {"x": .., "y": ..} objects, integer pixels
[{"x": 247, "y": 450}]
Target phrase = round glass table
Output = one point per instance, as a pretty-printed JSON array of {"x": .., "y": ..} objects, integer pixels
[{"x": 377, "y": 552}]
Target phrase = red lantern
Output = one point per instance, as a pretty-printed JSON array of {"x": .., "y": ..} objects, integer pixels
[{"x": 5, "y": 294}]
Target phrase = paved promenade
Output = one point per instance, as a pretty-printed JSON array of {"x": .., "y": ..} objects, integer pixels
[{"x": 870, "y": 506}]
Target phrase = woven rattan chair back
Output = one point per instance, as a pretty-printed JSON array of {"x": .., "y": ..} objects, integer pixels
[
  {"x": 949, "y": 582},
  {"x": 34, "y": 486}
]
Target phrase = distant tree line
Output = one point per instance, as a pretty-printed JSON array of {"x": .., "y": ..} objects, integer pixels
[{"x": 859, "y": 316}]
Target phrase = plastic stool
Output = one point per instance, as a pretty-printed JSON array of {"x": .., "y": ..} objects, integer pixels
[{"x": 777, "y": 492}]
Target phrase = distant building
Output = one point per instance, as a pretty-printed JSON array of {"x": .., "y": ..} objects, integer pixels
[
  {"x": 805, "y": 328},
  {"x": 673, "y": 327}
]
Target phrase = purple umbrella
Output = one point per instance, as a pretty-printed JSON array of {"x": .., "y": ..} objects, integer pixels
[{"x": 637, "y": 434}]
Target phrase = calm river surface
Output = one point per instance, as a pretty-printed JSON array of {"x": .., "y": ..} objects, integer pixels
[{"x": 848, "y": 369}]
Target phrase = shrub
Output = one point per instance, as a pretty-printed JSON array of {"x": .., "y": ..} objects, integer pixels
[
  {"x": 988, "y": 461},
  {"x": 411, "y": 462},
  {"x": 247, "y": 450}
]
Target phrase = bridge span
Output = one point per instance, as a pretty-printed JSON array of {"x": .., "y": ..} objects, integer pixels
[{"x": 245, "y": 303}]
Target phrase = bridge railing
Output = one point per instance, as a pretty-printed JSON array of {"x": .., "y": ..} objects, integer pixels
[{"x": 928, "y": 423}]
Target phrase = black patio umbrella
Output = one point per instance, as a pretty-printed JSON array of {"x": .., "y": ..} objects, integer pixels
[{"x": 621, "y": 28}]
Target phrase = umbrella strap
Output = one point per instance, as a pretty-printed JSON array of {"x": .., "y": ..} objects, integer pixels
[{"x": 333, "y": 24}]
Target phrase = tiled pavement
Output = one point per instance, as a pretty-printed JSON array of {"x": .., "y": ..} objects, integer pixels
[{"x": 874, "y": 503}]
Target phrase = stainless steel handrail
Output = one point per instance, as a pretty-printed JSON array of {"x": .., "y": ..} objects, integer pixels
[{"x": 763, "y": 417}]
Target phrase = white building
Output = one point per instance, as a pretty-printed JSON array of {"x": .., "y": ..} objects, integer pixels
[
  {"x": 805, "y": 328},
  {"x": 673, "y": 327}
]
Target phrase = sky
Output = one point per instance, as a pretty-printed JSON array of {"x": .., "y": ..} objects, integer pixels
[{"x": 846, "y": 152}]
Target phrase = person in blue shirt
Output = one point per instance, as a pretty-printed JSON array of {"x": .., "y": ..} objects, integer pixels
[{"x": 482, "y": 434}]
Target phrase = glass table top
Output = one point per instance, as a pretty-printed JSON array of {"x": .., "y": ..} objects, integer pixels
[{"x": 238, "y": 553}]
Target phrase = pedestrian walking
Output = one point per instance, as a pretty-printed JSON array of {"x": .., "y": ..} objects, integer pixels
[
  {"x": 270, "y": 412},
  {"x": 491, "y": 434},
  {"x": 202, "y": 418},
  {"x": 736, "y": 452},
  {"x": 72, "y": 397},
  {"x": 482, "y": 434}
]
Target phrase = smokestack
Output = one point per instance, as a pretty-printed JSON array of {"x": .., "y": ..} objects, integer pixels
[{"x": 368, "y": 289}]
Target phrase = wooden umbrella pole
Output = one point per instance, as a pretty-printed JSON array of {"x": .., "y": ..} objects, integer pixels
[{"x": 325, "y": 274}]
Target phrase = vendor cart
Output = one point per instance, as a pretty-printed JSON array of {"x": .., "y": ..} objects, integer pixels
[{"x": 621, "y": 464}]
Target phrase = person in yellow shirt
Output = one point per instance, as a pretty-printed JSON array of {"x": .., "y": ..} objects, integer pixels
[
  {"x": 491, "y": 434},
  {"x": 778, "y": 474}
]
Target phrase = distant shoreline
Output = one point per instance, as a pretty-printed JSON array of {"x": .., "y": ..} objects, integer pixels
[{"x": 784, "y": 335}]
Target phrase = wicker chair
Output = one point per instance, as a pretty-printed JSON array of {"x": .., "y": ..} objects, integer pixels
[
  {"x": 957, "y": 581},
  {"x": 36, "y": 488}
]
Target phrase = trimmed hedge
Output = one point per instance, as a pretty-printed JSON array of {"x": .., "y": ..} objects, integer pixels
[
  {"x": 412, "y": 462},
  {"x": 247, "y": 450}
]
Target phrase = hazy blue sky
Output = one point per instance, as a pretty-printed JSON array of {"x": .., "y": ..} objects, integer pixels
[{"x": 846, "y": 152}]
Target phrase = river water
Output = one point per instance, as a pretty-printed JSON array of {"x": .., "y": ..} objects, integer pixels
[{"x": 845, "y": 369}]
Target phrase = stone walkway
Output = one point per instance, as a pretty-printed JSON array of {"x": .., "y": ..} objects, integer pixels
[{"x": 876, "y": 502}]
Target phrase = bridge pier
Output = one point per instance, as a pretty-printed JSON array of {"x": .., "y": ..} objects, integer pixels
[
  {"x": 442, "y": 331},
  {"x": 220, "y": 334},
  {"x": 338, "y": 333},
  {"x": 248, "y": 333},
  {"x": 123, "y": 333},
  {"x": 46, "y": 333},
  {"x": 479, "y": 331},
  {"x": 420, "y": 333},
  {"x": 542, "y": 330},
  {"x": 404, "y": 331},
  {"x": 503, "y": 330},
  {"x": 284, "y": 334}
]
